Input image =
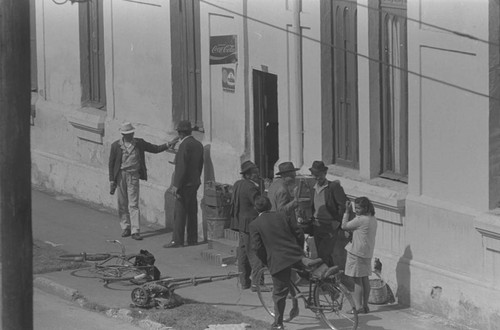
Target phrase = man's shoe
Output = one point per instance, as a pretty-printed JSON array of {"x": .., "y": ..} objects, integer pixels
[
  {"x": 126, "y": 232},
  {"x": 171, "y": 245},
  {"x": 263, "y": 288},
  {"x": 277, "y": 327},
  {"x": 137, "y": 236},
  {"x": 192, "y": 243}
]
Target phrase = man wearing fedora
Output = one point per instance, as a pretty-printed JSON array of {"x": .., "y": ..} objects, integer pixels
[
  {"x": 277, "y": 242},
  {"x": 243, "y": 212},
  {"x": 186, "y": 181},
  {"x": 281, "y": 191},
  {"x": 127, "y": 165},
  {"x": 328, "y": 208}
]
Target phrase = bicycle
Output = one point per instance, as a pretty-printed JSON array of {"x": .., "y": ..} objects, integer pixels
[
  {"x": 327, "y": 297},
  {"x": 111, "y": 267}
]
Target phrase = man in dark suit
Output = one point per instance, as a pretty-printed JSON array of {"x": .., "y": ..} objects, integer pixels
[
  {"x": 186, "y": 181},
  {"x": 243, "y": 212},
  {"x": 127, "y": 165},
  {"x": 328, "y": 209},
  {"x": 277, "y": 242}
]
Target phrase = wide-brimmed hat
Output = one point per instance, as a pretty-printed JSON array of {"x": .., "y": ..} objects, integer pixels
[
  {"x": 127, "y": 128},
  {"x": 247, "y": 166},
  {"x": 286, "y": 167},
  {"x": 318, "y": 166},
  {"x": 184, "y": 126}
]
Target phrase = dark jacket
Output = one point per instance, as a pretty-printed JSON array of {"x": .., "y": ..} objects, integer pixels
[
  {"x": 335, "y": 199},
  {"x": 277, "y": 240},
  {"x": 188, "y": 163},
  {"x": 242, "y": 205},
  {"x": 115, "y": 157}
]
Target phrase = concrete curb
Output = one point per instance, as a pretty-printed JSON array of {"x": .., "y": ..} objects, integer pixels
[{"x": 73, "y": 295}]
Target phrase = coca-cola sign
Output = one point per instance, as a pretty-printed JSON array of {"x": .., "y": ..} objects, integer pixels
[{"x": 223, "y": 49}]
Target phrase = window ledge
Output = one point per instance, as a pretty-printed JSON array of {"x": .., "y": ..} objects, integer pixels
[
  {"x": 488, "y": 225},
  {"x": 88, "y": 124},
  {"x": 388, "y": 197}
]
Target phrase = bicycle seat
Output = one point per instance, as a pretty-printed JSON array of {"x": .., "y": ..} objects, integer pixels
[
  {"x": 324, "y": 271},
  {"x": 331, "y": 271}
]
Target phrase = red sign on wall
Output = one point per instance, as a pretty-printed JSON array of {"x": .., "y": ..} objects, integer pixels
[{"x": 223, "y": 49}]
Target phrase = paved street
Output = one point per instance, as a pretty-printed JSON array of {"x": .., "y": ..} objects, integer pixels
[
  {"x": 53, "y": 313},
  {"x": 79, "y": 228}
]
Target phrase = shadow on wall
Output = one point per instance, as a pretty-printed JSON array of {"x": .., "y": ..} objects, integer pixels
[{"x": 403, "y": 278}]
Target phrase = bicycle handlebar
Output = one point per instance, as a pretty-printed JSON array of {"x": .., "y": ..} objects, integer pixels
[{"x": 117, "y": 242}]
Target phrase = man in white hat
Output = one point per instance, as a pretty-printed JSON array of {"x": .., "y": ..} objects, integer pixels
[{"x": 127, "y": 165}]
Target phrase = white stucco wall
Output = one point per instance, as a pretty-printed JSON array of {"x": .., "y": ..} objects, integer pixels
[
  {"x": 447, "y": 133},
  {"x": 138, "y": 89},
  {"x": 448, "y": 161},
  {"x": 311, "y": 75}
]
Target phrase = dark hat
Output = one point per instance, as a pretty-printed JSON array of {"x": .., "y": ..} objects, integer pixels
[
  {"x": 286, "y": 167},
  {"x": 184, "y": 126},
  {"x": 247, "y": 166},
  {"x": 318, "y": 166}
]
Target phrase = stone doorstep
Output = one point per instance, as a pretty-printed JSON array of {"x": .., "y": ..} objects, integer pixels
[
  {"x": 223, "y": 245},
  {"x": 218, "y": 258}
]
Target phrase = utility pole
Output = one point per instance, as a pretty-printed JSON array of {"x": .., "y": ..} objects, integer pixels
[{"x": 15, "y": 166}]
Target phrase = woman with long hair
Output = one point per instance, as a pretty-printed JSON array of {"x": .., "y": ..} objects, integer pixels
[{"x": 360, "y": 251}]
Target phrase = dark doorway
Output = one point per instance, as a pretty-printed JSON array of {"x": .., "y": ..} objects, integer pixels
[{"x": 265, "y": 100}]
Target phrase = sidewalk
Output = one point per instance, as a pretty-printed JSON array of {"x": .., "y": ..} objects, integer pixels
[{"x": 77, "y": 227}]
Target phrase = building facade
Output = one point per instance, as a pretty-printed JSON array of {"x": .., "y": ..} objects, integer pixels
[{"x": 400, "y": 98}]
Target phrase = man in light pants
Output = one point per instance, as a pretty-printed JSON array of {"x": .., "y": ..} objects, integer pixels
[{"x": 127, "y": 165}]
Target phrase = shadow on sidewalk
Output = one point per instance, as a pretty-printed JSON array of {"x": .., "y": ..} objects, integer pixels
[{"x": 157, "y": 232}]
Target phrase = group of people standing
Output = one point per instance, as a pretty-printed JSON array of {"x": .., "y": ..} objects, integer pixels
[
  {"x": 127, "y": 166},
  {"x": 269, "y": 233},
  {"x": 271, "y": 236}
]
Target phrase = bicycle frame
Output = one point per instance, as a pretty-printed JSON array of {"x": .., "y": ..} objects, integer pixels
[
  {"x": 312, "y": 283},
  {"x": 326, "y": 297}
]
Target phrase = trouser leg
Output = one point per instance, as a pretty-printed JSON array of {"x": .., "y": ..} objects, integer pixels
[
  {"x": 179, "y": 221},
  {"x": 243, "y": 263},
  {"x": 255, "y": 263},
  {"x": 133, "y": 201},
  {"x": 122, "y": 197},
  {"x": 325, "y": 242},
  {"x": 191, "y": 206},
  {"x": 281, "y": 288}
]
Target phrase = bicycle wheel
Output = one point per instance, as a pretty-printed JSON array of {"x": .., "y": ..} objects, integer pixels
[
  {"x": 86, "y": 272},
  {"x": 265, "y": 293},
  {"x": 119, "y": 260},
  {"x": 113, "y": 273},
  {"x": 333, "y": 303},
  {"x": 84, "y": 257}
]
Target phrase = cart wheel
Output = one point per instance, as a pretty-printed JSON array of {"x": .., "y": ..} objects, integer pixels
[{"x": 140, "y": 297}]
